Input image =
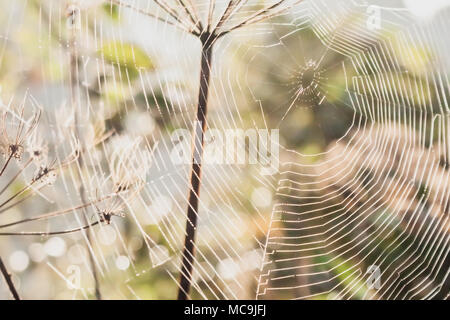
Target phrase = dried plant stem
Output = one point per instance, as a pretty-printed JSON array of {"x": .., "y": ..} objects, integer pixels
[
  {"x": 28, "y": 196},
  {"x": 16, "y": 175},
  {"x": 191, "y": 14},
  {"x": 74, "y": 90},
  {"x": 195, "y": 182},
  {"x": 18, "y": 193},
  {"x": 126, "y": 5},
  {"x": 6, "y": 163},
  {"x": 8, "y": 280},
  {"x": 208, "y": 34},
  {"x": 51, "y": 233},
  {"x": 82, "y": 192},
  {"x": 53, "y": 214}
]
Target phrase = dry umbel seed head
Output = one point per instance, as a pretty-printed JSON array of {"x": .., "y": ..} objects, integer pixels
[{"x": 51, "y": 156}]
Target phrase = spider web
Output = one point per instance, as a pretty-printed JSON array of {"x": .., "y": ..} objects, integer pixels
[{"x": 377, "y": 198}]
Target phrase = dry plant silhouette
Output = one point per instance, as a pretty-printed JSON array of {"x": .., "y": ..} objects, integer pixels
[
  {"x": 73, "y": 16},
  {"x": 186, "y": 15},
  {"x": 358, "y": 95},
  {"x": 24, "y": 147}
]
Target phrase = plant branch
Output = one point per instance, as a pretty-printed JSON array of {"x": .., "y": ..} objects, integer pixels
[
  {"x": 12, "y": 205},
  {"x": 53, "y": 214},
  {"x": 74, "y": 92},
  {"x": 259, "y": 16},
  {"x": 149, "y": 14},
  {"x": 6, "y": 163},
  {"x": 192, "y": 16},
  {"x": 212, "y": 5},
  {"x": 8, "y": 280},
  {"x": 173, "y": 13},
  {"x": 16, "y": 175},
  {"x": 198, "y": 141},
  {"x": 51, "y": 233},
  {"x": 225, "y": 14},
  {"x": 18, "y": 193}
]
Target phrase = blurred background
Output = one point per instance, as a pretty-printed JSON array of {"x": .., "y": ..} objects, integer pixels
[{"x": 359, "y": 91}]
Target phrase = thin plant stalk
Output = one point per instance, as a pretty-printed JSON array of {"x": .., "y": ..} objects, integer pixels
[
  {"x": 16, "y": 176},
  {"x": 51, "y": 233},
  {"x": 208, "y": 34},
  {"x": 196, "y": 170},
  {"x": 74, "y": 90},
  {"x": 8, "y": 280},
  {"x": 53, "y": 214}
]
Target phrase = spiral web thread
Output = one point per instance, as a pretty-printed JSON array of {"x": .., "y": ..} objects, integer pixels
[{"x": 378, "y": 199}]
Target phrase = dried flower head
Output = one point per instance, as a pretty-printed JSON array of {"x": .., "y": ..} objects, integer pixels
[
  {"x": 129, "y": 162},
  {"x": 37, "y": 148},
  {"x": 15, "y": 128},
  {"x": 114, "y": 208}
]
